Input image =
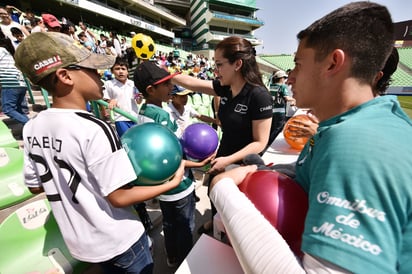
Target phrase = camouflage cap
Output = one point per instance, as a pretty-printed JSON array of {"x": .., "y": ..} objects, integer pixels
[{"x": 42, "y": 53}]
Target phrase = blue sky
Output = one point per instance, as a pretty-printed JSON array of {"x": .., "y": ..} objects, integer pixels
[{"x": 284, "y": 19}]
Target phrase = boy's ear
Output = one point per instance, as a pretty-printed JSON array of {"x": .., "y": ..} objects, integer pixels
[
  {"x": 63, "y": 76},
  {"x": 149, "y": 89}
]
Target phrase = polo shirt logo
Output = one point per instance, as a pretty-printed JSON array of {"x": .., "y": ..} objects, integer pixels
[{"x": 242, "y": 109}]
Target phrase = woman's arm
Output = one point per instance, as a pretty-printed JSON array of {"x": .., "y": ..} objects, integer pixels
[
  {"x": 261, "y": 130},
  {"x": 194, "y": 84}
]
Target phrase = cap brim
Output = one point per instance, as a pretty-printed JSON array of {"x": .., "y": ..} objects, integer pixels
[
  {"x": 168, "y": 77},
  {"x": 98, "y": 61},
  {"x": 185, "y": 92},
  {"x": 54, "y": 25}
]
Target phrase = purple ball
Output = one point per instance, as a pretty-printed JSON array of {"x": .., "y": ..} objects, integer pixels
[{"x": 199, "y": 141}]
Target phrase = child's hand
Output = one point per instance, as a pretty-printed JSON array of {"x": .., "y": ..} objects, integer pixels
[
  {"x": 178, "y": 176},
  {"x": 207, "y": 160},
  {"x": 112, "y": 103}
]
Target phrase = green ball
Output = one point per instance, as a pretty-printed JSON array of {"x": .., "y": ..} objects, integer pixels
[{"x": 154, "y": 151}]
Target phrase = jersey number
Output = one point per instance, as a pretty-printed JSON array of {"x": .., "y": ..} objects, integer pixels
[{"x": 73, "y": 181}]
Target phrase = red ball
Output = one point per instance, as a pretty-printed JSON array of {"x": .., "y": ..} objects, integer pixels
[{"x": 281, "y": 201}]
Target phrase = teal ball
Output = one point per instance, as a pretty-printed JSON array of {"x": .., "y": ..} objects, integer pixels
[{"x": 154, "y": 151}]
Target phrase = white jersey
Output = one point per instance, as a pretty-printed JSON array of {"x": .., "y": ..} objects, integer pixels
[
  {"x": 125, "y": 96},
  {"x": 78, "y": 160},
  {"x": 182, "y": 120}
]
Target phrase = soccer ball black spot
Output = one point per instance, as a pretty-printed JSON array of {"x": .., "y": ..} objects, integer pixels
[{"x": 139, "y": 44}]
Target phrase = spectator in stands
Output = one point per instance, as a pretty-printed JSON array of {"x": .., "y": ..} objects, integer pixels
[
  {"x": 86, "y": 42},
  {"x": 359, "y": 192},
  {"x": 131, "y": 56},
  {"x": 169, "y": 58},
  {"x": 101, "y": 44},
  {"x": 13, "y": 86},
  {"x": 51, "y": 22},
  {"x": 69, "y": 29},
  {"x": 6, "y": 24},
  {"x": 109, "y": 49},
  {"x": 26, "y": 18},
  {"x": 38, "y": 25},
  {"x": 124, "y": 45},
  {"x": 14, "y": 12},
  {"x": 116, "y": 43},
  {"x": 18, "y": 36},
  {"x": 245, "y": 111},
  {"x": 121, "y": 92},
  {"x": 23, "y": 18},
  {"x": 90, "y": 35}
]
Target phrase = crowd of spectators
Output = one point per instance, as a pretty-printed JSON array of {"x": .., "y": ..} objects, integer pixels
[{"x": 17, "y": 25}]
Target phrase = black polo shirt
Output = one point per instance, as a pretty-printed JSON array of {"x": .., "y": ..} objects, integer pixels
[{"x": 236, "y": 115}]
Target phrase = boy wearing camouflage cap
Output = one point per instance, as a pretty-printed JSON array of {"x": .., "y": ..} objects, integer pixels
[{"x": 78, "y": 161}]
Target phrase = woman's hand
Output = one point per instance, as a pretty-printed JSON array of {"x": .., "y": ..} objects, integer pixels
[{"x": 219, "y": 164}]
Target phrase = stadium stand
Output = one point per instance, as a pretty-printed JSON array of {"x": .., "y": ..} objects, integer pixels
[
  {"x": 401, "y": 78},
  {"x": 283, "y": 62},
  {"x": 405, "y": 56}
]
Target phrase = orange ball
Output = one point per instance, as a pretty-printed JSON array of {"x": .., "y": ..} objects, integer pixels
[{"x": 295, "y": 142}]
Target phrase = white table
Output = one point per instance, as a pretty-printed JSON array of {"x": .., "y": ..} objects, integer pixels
[
  {"x": 280, "y": 152},
  {"x": 209, "y": 255}
]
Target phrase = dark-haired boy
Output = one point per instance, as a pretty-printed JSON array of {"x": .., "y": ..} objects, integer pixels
[
  {"x": 177, "y": 205},
  {"x": 121, "y": 92}
]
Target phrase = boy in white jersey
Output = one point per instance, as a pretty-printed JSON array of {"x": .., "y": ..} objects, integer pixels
[
  {"x": 78, "y": 161},
  {"x": 120, "y": 92},
  {"x": 182, "y": 113}
]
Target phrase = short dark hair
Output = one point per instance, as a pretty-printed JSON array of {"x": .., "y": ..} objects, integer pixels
[
  {"x": 81, "y": 34},
  {"x": 49, "y": 83},
  {"x": 363, "y": 30},
  {"x": 120, "y": 62},
  {"x": 16, "y": 31},
  {"x": 6, "y": 43}
]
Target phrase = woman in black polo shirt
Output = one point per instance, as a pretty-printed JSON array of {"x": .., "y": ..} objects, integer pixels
[{"x": 245, "y": 110}]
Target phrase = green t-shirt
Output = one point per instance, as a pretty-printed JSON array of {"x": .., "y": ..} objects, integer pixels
[
  {"x": 157, "y": 115},
  {"x": 357, "y": 171}
]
